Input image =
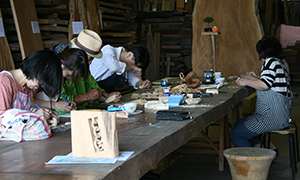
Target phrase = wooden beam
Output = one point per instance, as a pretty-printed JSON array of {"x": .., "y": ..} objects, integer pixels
[
  {"x": 112, "y": 34},
  {"x": 53, "y": 21},
  {"x": 54, "y": 28},
  {"x": 113, "y": 5},
  {"x": 24, "y": 14}
]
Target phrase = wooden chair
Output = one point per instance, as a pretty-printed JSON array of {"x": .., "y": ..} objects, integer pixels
[{"x": 291, "y": 131}]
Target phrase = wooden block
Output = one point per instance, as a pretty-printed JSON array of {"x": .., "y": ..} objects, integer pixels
[
  {"x": 94, "y": 134},
  {"x": 249, "y": 104}
]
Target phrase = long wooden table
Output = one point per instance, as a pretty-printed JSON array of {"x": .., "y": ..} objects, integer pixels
[{"x": 150, "y": 139}]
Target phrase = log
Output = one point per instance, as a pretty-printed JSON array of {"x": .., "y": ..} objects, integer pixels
[{"x": 239, "y": 28}]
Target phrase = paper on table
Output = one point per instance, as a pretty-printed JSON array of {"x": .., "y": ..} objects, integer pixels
[{"x": 69, "y": 159}]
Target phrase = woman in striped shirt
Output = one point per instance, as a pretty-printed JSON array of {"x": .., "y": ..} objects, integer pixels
[{"x": 273, "y": 95}]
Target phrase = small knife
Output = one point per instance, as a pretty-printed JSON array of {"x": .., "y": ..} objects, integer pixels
[{"x": 201, "y": 95}]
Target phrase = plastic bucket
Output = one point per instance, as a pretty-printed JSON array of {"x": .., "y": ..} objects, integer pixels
[{"x": 249, "y": 163}]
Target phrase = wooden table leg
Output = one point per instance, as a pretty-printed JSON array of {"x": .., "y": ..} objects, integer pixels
[
  {"x": 235, "y": 114},
  {"x": 226, "y": 129},
  {"x": 221, "y": 144}
]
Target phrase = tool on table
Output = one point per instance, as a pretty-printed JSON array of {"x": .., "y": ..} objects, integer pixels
[
  {"x": 174, "y": 118},
  {"x": 169, "y": 112},
  {"x": 201, "y": 95},
  {"x": 173, "y": 115}
]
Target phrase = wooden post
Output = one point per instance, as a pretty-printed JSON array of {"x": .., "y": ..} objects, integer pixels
[
  {"x": 213, "y": 47},
  {"x": 24, "y": 15}
]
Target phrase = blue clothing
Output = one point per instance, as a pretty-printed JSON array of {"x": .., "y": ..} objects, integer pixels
[{"x": 240, "y": 135}]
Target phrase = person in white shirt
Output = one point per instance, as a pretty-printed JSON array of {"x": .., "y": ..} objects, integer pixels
[{"x": 118, "y": 67}]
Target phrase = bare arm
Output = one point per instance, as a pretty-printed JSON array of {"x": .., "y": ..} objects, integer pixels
[
  {"x": 254, "y": 83},
  {"x": 59, "y": 105},
  {"x": 89, "y": 96}
]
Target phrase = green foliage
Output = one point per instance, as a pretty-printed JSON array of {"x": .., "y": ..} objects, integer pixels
[{"x": 208, "y": 19}]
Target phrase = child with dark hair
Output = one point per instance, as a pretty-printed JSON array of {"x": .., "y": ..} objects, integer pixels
[
  {"x": 273, "y": 95},
  {"x": 119, "y": 67},
  {"x": 80, "y": 86},
  {"x": 39, "y": 70}
]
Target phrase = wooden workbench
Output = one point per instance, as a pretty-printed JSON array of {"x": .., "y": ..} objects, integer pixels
[{"x": 151, "y": 140}]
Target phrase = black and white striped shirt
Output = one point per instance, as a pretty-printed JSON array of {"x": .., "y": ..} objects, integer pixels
[{"x": 274, "y": 74}]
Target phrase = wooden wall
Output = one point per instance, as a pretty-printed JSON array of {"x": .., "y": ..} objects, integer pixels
[{"x": 239, "y": 29}]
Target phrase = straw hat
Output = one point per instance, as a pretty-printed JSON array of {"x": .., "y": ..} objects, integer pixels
[{"x": 90, "y": 42}]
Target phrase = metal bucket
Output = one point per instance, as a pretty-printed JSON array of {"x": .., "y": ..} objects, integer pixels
[{"x": 249, "y": 163}]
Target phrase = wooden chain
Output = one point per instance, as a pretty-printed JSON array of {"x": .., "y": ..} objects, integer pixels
[{"x": 97, "y": 134}]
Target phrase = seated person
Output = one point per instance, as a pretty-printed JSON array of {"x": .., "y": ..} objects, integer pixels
[
  {"x": 81, "y": 87},
  {"x": 117, "y": 67},
  {"x": 41, "y": 69}
]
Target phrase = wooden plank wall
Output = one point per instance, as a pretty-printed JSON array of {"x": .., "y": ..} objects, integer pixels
[
  {"x": 6, "y": 62},
  {"x": 239, "y": 28}
]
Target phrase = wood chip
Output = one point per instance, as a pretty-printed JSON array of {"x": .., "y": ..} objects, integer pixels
[{"x": 110, "y": 99}]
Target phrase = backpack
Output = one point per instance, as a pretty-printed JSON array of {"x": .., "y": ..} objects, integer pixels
[{"x": 23, "y": 125}]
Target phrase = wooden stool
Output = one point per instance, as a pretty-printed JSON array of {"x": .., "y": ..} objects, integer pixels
[{"x": 290, "y": 131}]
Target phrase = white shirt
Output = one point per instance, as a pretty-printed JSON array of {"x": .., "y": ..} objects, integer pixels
[{"x": 102, "y": 68}]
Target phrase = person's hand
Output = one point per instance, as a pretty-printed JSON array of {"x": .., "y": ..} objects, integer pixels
[
  {"x": 54, "y": 114},
  {"x": 241, "y": 81},
  {"x": 65, "y": 106},
  {"x": 94, "y": 94},
  {"x": 252, "y": 75},
  {"x": 118, "y": 96},
  {"x": 146, "y": 84},
  {"x": 137, "y": 71},
  {"x": 44, "y": 112}
]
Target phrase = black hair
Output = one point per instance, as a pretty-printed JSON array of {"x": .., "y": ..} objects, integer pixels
[
  {"x": 269, "y": 47},
  {"x": 141, "y": 55},
  {"x": 75, "y": 60},
  {"x": 44, "y": 66}
]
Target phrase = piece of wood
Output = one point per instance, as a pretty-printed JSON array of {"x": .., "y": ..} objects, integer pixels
[
  {"x": 93, "y": 18},
  {"x": 249, "y": 104},
  {"x": 114, "y": 5},
  {"x": 54, "y": 28},
  {"x": 235, "y": 46},
  {"x": 7, "y": 62},
  {"x": 24, "y": 14},
  {"x": 94, "y": 134},
  {"x": 53, "y": 21}
]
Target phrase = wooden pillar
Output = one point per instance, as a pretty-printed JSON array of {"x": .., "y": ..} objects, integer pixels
[
  {"x": 25, "y": 19},
  {"x": 156, "y": 55}
]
